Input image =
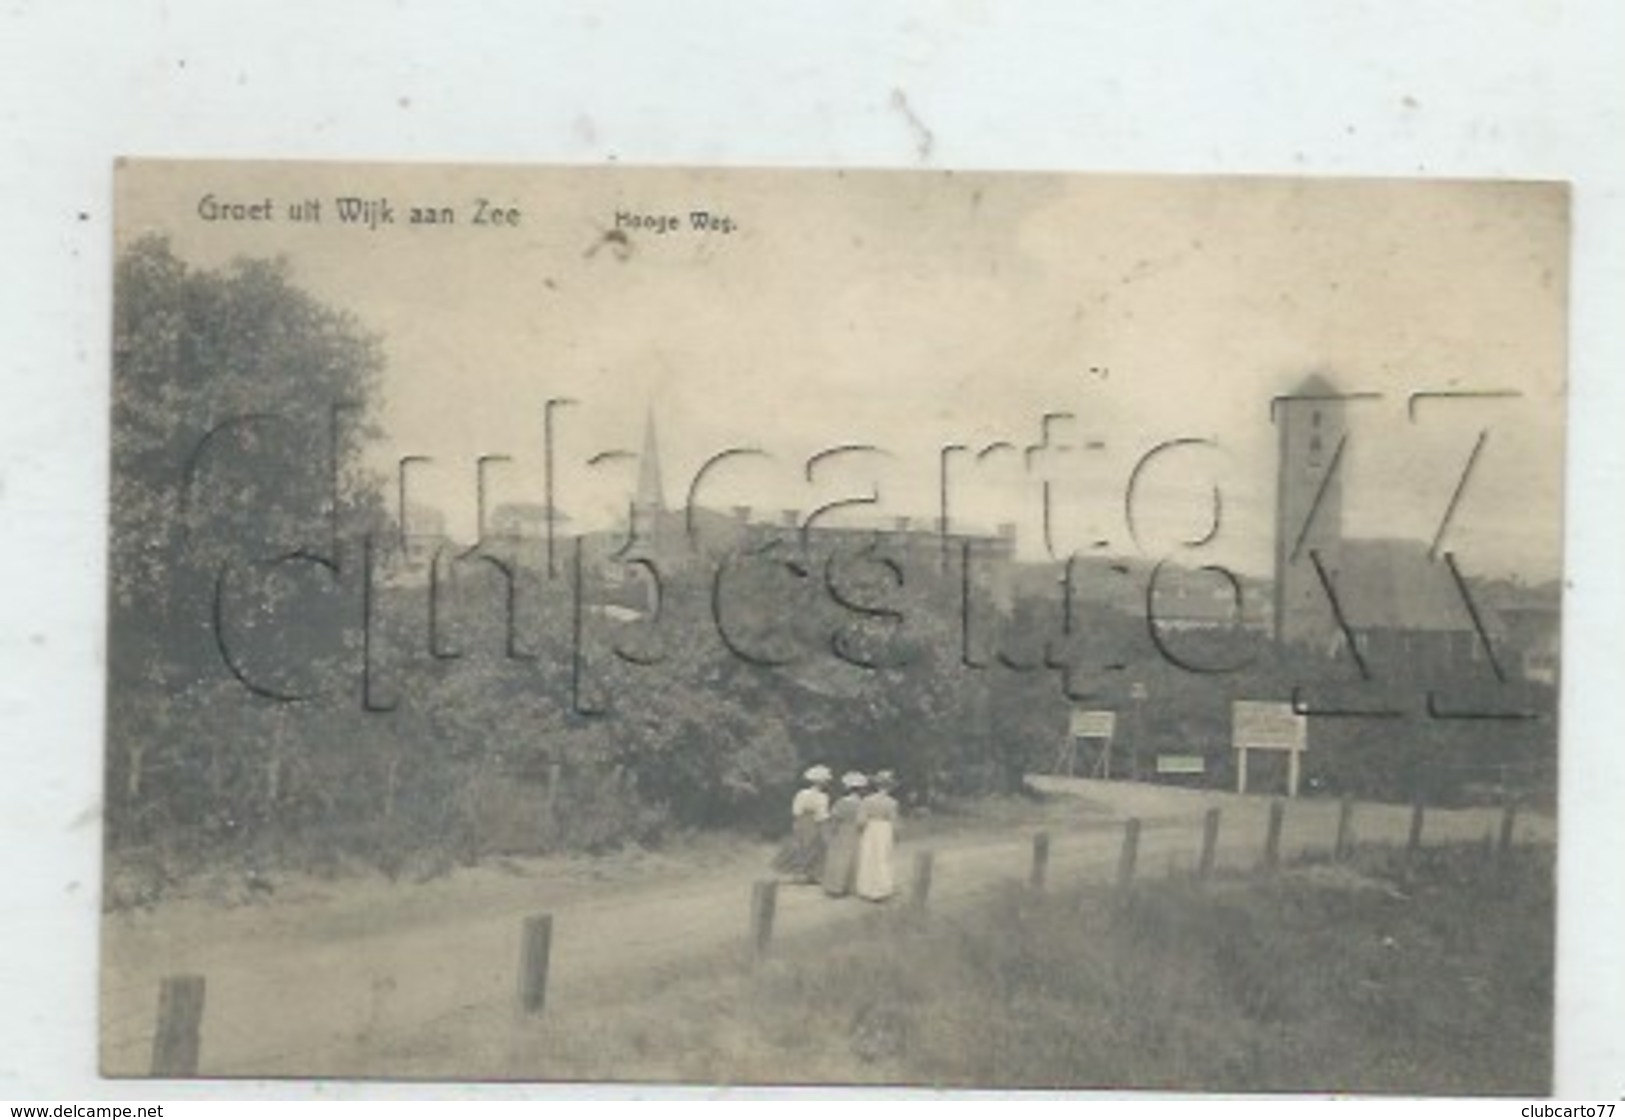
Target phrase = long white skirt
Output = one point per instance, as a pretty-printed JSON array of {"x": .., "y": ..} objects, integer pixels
[{"x": 875, "y": 880}]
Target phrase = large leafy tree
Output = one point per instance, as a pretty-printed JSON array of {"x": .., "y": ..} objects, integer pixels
[{"x": 240, "y": 405}]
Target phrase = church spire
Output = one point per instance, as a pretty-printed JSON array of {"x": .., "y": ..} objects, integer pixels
[{"x": 651, "y": 494}]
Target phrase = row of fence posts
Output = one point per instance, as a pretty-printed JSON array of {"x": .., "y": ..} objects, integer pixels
[
  {"x": 177, "y": 1042},
  {"x": 764, "y": 894}
]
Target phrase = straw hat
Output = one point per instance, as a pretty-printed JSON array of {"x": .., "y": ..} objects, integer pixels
[
  {"x": 819, "y": 773},
  {"x": 854, "y": 780},
  {"x": 885, "y": 779}
]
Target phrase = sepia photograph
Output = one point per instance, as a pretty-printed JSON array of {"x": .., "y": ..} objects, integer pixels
[{"x": 723, "y": 626}]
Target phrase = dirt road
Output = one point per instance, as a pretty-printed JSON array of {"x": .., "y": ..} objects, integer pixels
[{"x": 338, "y": 981}]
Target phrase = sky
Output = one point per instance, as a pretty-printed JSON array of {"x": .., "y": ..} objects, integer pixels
[{"x": 911, "y": 310}]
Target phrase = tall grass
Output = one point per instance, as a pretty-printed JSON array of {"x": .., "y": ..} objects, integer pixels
[{"x": 1428, "y": 977}]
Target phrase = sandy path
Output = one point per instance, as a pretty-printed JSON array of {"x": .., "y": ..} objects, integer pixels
[{"x": 330, "y": 986}]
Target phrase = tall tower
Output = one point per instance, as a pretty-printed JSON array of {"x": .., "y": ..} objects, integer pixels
[
  {"x": 1310, "y": 465},
  {"x": 649, "y": 502}
]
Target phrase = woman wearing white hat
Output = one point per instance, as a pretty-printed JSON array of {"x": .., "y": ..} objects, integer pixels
[
  {"x": 802, "y": 856},
  {"x": 840, "y": 862}
]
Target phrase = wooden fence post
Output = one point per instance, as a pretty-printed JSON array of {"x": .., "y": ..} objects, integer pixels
[
  {"x": 1272, "y": 837},
  {"x": 555, "y": 778},
  {"x": 1210, "y": 844},
  {"x": 178, "y": 1039},
  {"x": 764, "y": 901},
  {"x": 920, "y": 888},
  {"x": 1509, "y": 821},
  {"x": 1130, "y": 853},
  {"x": 1343, "y": 847},
  {"x": 535, "y": 955},
  {"x": 1040, "y": 860},
  {"x": 1414, "y": 840}
]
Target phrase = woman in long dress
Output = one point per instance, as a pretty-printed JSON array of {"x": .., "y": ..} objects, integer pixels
[
  {"x": 802, "y": 857},
  {"x": 877, "y": 823},
  {"x": 841, "y": 858}
]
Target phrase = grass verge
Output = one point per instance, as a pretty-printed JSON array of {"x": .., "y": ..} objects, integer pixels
[{"x": 1375, "y": 976}]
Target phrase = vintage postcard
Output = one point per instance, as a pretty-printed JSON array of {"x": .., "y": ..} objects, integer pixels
[{"x": 830, "y": 627}]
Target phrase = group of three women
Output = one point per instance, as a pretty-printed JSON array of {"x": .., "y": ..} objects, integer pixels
[{"x": 846, "y": 847}]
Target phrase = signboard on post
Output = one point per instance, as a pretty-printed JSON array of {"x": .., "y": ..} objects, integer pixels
[
  {"x": 1093, "y": 724},
  {"x": 1265, "y": 725},
  {"x": 1084, "y": 724},
  {"x": 1268, "y": 725}
]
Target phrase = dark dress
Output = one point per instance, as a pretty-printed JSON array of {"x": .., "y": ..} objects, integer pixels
[
  {"x": 802, "y": 856},
  {"x": 841, "y": 859}
]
